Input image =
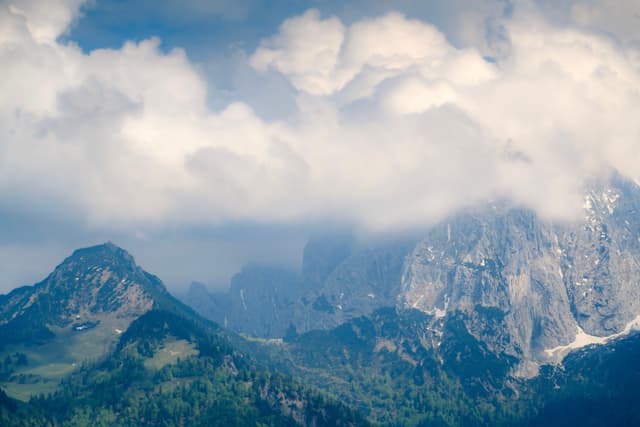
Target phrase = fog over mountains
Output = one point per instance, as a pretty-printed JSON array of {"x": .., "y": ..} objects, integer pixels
[
  {"x": 456, "y": 328},
  {"x": 531, "y": 288},
  {"x": 390, "y": 117},
  {"x": 390, "y": 213}
]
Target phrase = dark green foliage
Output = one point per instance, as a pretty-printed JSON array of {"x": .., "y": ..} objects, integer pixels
[
  {"x": 29, "y": 328},
  {"x": 400, "y": 383},
  {"x": 219, "y": 387},
  {"x": 479, "y": 370},
  {"x": 380, "y": 366},
  {"x": 598, "y": 386},
  {"x": 383, "y": 367},
  {"x": 10, "y": 363}
]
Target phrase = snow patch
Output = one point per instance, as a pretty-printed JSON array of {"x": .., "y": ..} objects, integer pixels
[
  {"x": 583, "y": 339},
  {"x": 242, "y": 299}
]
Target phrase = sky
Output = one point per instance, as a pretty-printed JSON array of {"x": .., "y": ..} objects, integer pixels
[{"x": 201, "y": 135}]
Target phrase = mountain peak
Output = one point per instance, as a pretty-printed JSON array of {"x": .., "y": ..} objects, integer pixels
[
  {"x": 107, "y": 246},
  {"x": 103, "y": 253},
  {"x": 95, "y": 284}
]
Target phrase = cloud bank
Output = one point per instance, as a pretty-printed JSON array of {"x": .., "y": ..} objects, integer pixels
[{"x": 394, "y": 125}]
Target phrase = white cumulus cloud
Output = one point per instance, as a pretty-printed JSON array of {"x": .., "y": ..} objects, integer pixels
[{"x": 394, "y": 125}]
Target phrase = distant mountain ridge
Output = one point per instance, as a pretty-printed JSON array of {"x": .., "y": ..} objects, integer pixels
[{"x": 530, "y": 288}]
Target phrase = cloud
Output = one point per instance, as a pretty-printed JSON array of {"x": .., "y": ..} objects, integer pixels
[
  {"x": 45, "y": 21},
  {"x": 562, "y": 98},
  {"x": 393, "y": 125},
  {"x": 308, "y": 60},
  {"x": 617, "y": 19}
]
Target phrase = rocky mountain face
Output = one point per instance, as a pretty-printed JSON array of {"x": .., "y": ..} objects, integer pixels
[
  {"x": 527, "y": 287},
  {"x": 556, "y": 286},
  {"x": 90, "y": 284},
  {"x": 269, "y": 302},
  {"x": 262, "y": 300},
  {"x": 340, "y": 280}
]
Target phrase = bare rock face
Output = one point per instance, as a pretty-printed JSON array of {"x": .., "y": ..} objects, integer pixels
[
  {"x": 506, "y": 261},
  {"x": 321, "y": 256},
  {"x": 550, "y": 282},
  {"x": 602, "y": 260},
  {"x": 367, "y": 279},
  {"x": 262, "y": 301},
  {"x": 338, "y": 282}
]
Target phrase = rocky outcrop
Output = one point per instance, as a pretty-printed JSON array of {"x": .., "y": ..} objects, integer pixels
[
  {"x": 369, "y": 278},
  {"x": 505, "y": 265},
  {"x": 549, "y": 282},
  {"x": 262, "y": 301}
]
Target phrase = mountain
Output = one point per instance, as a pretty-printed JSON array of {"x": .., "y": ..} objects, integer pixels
[
  {"x": 596, "y": 386},
  {"x": 212, "y": 306},
  {"x": 557, "y": 286},
  {"x": 527, "y": 287},
  {"x": 117, "y": 349},
  {"x": 92, "y": 286},
  {"x": 449, "y": 365},
  {"x": 76, "y": 314}
]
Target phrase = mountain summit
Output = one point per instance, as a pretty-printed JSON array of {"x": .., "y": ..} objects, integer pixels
[{"x": 88, "y": 287}]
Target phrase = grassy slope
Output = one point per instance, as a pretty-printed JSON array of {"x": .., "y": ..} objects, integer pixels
[{"x": 48, "y": 363}]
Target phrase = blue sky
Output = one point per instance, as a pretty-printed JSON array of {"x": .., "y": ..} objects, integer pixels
[
  {"x": 205, "y": 26},
  {"x": 203, "y": 135},
  {"x": 200, "y": 27}
]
